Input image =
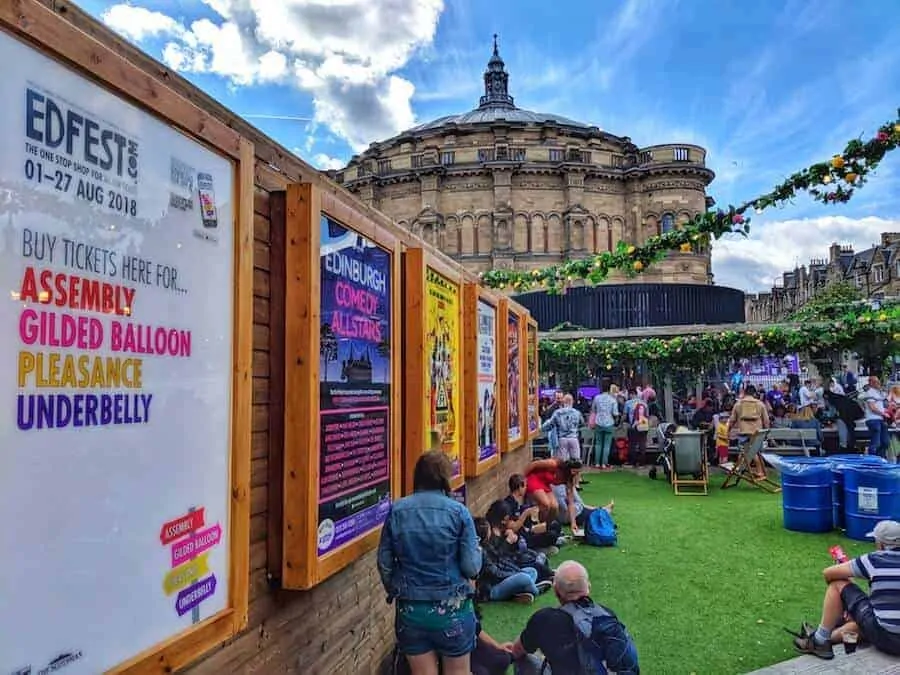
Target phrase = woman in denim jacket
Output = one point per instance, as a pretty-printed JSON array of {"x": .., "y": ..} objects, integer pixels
[{"x": 427, "y": 554}]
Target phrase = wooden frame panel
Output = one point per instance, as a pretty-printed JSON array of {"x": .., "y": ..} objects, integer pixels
[
  {"x": 507, "y": 309},
  {"x": 50, "y": 35},
  {"x": 416, "y": 263},
  {"x": 472, "y": 295},
  {"x": 302, "y": 566},
  {"x": 533, "y": 381}
]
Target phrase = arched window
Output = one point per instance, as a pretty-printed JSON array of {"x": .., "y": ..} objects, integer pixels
[{"x": 668, "y": 223}]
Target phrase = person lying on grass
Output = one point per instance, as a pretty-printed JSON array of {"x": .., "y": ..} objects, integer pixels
[
  {"x": 874, "y": 617},
  {"x": 540, "y": 477}
]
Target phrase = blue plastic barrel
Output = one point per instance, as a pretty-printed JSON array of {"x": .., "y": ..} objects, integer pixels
[
  {"x": 838, "y": 464},
  {"x": 871, "y": 494},
  {"x": 806, "y": 494}
]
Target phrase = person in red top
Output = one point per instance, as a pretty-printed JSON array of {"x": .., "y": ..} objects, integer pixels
[{"x": 540, "y": 477}]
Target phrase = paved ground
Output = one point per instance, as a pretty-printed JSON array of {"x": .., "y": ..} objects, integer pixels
[{"x": 867, "y": 661}]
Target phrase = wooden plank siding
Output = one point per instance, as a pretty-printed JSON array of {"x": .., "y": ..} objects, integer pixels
[{"x": 342, "y": 626}]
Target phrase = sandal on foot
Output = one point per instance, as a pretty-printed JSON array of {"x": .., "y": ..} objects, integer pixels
[{"x": 808, "y": 645}]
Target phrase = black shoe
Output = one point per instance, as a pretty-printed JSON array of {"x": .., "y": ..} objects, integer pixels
[
  {"x": 808, "y": 645},
  {"x": 584, "y": 482}
]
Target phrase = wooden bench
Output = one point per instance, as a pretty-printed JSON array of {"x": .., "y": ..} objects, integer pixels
[{"x": 784, "y": 441}]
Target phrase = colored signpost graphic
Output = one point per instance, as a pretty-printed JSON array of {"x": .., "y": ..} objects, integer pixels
[
  {"x": 175, "y": 529},
  {"x": 190, "y": 574},
  {"x": 192, "y": 596},
  {"x": 196, "y": 544},
  {"x": 355, "y": 358}
]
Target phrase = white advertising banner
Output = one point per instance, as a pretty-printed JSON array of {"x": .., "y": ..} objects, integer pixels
[
  {"x": 487, "y": 381},
  {"x": 116, "y": 269}
]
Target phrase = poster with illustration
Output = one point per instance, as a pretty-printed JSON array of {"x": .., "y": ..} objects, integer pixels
[
  {"x": 487, "y": 381},
  {"x": 514, "y": 383},
  {"x": 355, "y": 386},
  {"x": 116, "y": 325},
  {"x": 534, "y": 419},
  {"x": 443, "y": 359}
]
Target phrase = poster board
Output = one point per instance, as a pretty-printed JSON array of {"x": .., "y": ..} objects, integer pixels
[
  {"x": 512, "y": 377},
  {"x": 433, "y": 361},
  {"x": 532, "y": 412},
  {"x": 481, "y": 375},
  {"x": 126, "y": 253},
  {"x": 342, "y": 349}
]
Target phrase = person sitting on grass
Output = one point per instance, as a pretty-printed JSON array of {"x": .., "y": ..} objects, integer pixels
[
  {"x": 511, "y": 545},
  {"x": 874, "y": 617},
  {"x": 540, "y": 477},
  {"x": 525, "y": 520},
  {"x": 500, "y": 578},
  {"x": 563, "y": 634},
  {"x": 489, "y": 657}
]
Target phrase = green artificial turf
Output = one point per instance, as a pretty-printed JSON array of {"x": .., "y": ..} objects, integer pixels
[{"x": 704, "y": 584}]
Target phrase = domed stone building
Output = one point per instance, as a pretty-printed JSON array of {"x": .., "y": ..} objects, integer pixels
[{"x": 501, "y": 187}]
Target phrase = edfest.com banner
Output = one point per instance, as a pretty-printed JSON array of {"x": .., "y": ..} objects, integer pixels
[
  {"x": 355, "y": 386},
  {"x": 116, "y": 264},
  {"x": 512, "y": 374},
  {"x": 487, "y": 381},
  {"x": 442, "y": 349},
  {"x": 534, "y": 419}
]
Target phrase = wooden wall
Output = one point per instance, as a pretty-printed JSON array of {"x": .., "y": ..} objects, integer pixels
[{"x": 342, "y": 626}]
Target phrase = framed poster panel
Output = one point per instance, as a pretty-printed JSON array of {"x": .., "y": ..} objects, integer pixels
[
  {"x": 532, "y": 411},
  {"x": 433, "y": 362},
  {"x": 341, "y": 395},
  {"x": 512, "y": 382},
  {"x": 481, "y": 374},
  {"x": 126, "y": 257}
]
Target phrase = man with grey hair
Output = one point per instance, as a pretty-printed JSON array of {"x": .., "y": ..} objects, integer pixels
[
  {"x": 876, "y": 616},
  {"x": 578, "y": 638}
]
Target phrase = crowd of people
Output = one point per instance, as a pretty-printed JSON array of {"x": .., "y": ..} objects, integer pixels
[{"x": 437, "y": 564}]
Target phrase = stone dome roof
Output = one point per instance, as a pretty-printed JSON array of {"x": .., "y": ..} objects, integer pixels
[{"x": 497, "y": 105}]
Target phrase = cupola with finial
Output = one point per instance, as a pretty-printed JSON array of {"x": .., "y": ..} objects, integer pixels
[{"x": 496, "y": 83}]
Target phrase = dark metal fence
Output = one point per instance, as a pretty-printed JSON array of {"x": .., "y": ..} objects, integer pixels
[{"x": 617, "y": 306}]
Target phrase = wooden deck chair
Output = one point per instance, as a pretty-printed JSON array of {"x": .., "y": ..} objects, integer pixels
[
  {"x": 688, "y": 458},
  {"x": 742, "y": 469}
]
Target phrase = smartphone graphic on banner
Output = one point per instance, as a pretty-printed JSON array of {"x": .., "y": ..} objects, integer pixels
[{"x": 207, "y": 200}]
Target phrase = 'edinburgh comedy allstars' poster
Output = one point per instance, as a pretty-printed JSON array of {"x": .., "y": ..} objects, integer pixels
[
  {"x": 355, "y": 382},
  {"x": 512, "y": 374},
  {"x": 116, "y": 320},
  {"x": 487, "y": 381},
  {"x": 442, "y": 341},
  {"x": 534, "y": 420}
]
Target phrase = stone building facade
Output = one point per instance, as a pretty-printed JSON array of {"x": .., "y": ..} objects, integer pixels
[
  {"x": 500, "y": 187},
  {"x": 874, "y": 271}
]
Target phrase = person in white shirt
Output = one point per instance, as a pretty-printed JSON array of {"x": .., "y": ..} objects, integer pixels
[
  {"x": 605, "y": 409},
  {"x": 873, "y": 400}
]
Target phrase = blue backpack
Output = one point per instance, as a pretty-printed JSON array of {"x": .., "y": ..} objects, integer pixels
[
  {"x": 604, "y": 643},
  {"x": 600, "y": 529}
]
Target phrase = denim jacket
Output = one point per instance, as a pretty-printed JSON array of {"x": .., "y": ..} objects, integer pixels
[{"x": 428, "y": 549}]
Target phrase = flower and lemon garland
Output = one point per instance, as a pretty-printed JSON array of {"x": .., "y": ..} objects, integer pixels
[
  {"x": 697, "y": 351},
  {"x": 831, "y": 182}
]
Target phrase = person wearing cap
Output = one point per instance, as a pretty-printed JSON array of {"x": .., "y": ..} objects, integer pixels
[{"x": 874, "y": 616}]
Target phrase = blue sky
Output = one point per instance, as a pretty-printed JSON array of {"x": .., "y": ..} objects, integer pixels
[{"x": 767, "y": 87}]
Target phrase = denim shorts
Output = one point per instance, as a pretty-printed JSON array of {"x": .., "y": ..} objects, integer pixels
[
  {"x": 455, "y": 639},
  {"x": 858, "y": 605}
]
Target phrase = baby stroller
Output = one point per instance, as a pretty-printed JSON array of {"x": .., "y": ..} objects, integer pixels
[{"x": 664, "y": 432}]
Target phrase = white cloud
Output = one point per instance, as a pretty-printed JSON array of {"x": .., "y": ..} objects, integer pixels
[
  {"x": 138, "y": 23},
  {"x": 326, "y": 162},
  {"x": 346, "y": 53},
  {"x": 752, "y": 264}
]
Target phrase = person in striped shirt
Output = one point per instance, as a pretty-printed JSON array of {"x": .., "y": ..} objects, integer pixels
[{"x": 874, "y": 616}]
